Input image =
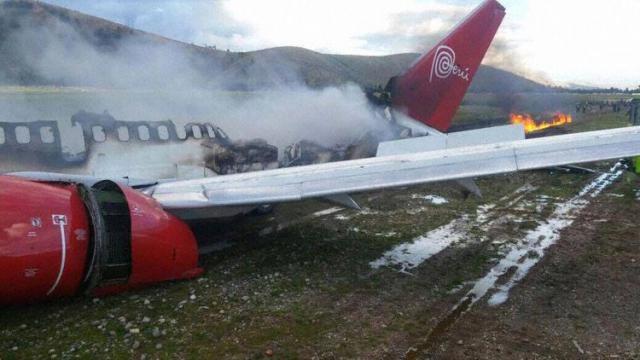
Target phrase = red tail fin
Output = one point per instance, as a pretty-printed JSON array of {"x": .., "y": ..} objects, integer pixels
[{"x": 432, "y": 89}]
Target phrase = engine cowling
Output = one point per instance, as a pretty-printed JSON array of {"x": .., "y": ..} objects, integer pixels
[
  {"x": 59, "y": 240},
  {"x": 44, "y": 237}
]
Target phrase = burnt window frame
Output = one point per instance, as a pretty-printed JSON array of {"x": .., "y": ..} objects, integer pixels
[
  {"x": 199, "y": 134},
  {"x": 93, "y": 133},
  {"x": 49, "y": 140},
  {"x": 119, "y": 133},
  {"x": 163, "y": 136},
  {"x": 147, "y": 131},
  {"x": 211, "y": 131},
  {"x": 17, "y": 135}
]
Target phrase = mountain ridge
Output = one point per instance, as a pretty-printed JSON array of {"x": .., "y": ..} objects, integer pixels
[{"x": 103, "y": 50}]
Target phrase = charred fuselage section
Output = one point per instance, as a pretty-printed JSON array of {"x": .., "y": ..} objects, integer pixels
[
  {"x": 227, "y": 157},
  {"x": 98, "y": 128},
  {"x": 38, "y": 145},
  {"x": 36, "y": 142},
  {"x": 106, "y": 146},
  {"x": 307, "y": 152}
]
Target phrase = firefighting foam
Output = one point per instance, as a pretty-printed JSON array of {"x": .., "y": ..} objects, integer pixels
[{"x": 531, "y": 125}]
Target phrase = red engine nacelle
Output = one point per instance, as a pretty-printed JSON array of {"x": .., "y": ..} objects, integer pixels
[{"x": 58, "y": 240}]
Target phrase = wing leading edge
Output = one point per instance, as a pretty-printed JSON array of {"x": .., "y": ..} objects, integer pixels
[{"x": 347, "y": 177}]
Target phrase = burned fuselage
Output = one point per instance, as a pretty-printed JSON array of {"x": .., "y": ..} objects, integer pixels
[
  {"x": 226, "y": 157},
  {"x": 100, "y": 145},
  {"x": 307, "y": 152},
  {"x": 37, "y": 143}
]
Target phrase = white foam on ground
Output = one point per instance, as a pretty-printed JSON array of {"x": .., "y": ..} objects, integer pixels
[
  {"x": 410, "y": 255},
  {"x": 367, "y": 211},
  {"x": 527, "y": 252},
  {"x": 483, "y": 211},
  {"x": 416, "y": 211},
  {"x": 531, "y": 249},
  {"x": 387, "y": 234},
  {"x": 484, "y": 214},
  {"x": 519, "y": 258},
  {"x": 542, "y": 201},
  {"x": 433, "y": 199},
  {"x": 436, "y": 200},
  {"x": 326, "y": 212}
]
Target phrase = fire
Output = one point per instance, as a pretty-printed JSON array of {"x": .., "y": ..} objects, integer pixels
[{"x": 530, "y": 124}]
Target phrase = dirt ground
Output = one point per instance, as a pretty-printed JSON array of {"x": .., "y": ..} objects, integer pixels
[{"x": 581, "y": 301}]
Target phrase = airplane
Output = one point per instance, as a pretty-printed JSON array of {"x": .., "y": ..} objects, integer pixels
[{"x": 71, "y": 234}]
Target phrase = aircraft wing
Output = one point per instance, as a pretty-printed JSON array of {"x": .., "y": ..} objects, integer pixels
[{"x": 347, "y": 177}]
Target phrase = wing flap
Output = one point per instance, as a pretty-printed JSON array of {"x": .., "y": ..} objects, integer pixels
[
  {"x": 578, "y": 148},
  {"x": 292, "y": 184},
  {"x": 255, "y": 194}
]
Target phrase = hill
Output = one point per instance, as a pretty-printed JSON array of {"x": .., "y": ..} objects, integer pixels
[{"x": 42, "y": 44}]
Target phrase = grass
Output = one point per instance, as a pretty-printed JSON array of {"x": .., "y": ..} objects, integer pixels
[
  {"x": 317, "y": 266},
  {"x": 307, "y": 291},
  {"x": 593, "y": 122}
]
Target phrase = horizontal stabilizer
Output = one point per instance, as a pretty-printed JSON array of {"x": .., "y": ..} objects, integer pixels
[{"x": 485, "y": 136}]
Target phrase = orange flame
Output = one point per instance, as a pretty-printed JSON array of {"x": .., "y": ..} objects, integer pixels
[{"x": 530, "y": 125}]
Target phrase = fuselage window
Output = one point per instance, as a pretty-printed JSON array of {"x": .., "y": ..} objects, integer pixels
[
  {"x": 163, "y": 132},
  {"x": 197, "y": 132},
  {"x": 123, "y": 133},
  {"x": 181, "y": 132},
  {"x": 23, "y": 135},
  {"x": 2, "y": 140},
  {"x": 222, "y": 133},
  {"x": 143, "y": 133},
  {"x": 211, "y": 131},
  {"x": 98, "y": 134},
  {"x": 46, "y": 135}
]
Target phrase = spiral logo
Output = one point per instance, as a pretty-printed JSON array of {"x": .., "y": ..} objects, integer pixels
[{"x": 443, "y": 63}]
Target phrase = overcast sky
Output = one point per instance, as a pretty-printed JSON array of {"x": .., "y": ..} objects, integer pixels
[{"x": 563, "y": 41}]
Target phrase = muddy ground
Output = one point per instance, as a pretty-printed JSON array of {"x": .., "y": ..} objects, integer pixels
[
  {"x": 580, "y": 301},
  {"x": 411, "y": 276}
]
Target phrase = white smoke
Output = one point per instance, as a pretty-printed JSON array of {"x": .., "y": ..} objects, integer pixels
[
  {"x": 61, "y": 54},
  {"x": 144, "y": 78},
  {"x": 329, "y": 116}
]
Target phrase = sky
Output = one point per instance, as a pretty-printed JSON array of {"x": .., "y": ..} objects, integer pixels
[{"x": 563, "y": 42}]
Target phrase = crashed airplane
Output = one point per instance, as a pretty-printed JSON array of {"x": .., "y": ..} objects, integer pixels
[
  {"x": 28, "y": 145},
  {"x": 99, "y": 234}
]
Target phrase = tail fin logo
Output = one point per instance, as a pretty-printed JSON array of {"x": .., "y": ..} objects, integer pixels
[{"x": 444, "y": 64}]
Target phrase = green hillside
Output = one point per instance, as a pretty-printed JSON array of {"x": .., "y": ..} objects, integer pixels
[{"x": 42, "y": 44}]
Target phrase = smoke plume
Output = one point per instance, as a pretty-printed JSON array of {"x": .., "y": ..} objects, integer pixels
[
  {"x": 136, "y": 76},
  {"x": 419, "y": 31}
]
